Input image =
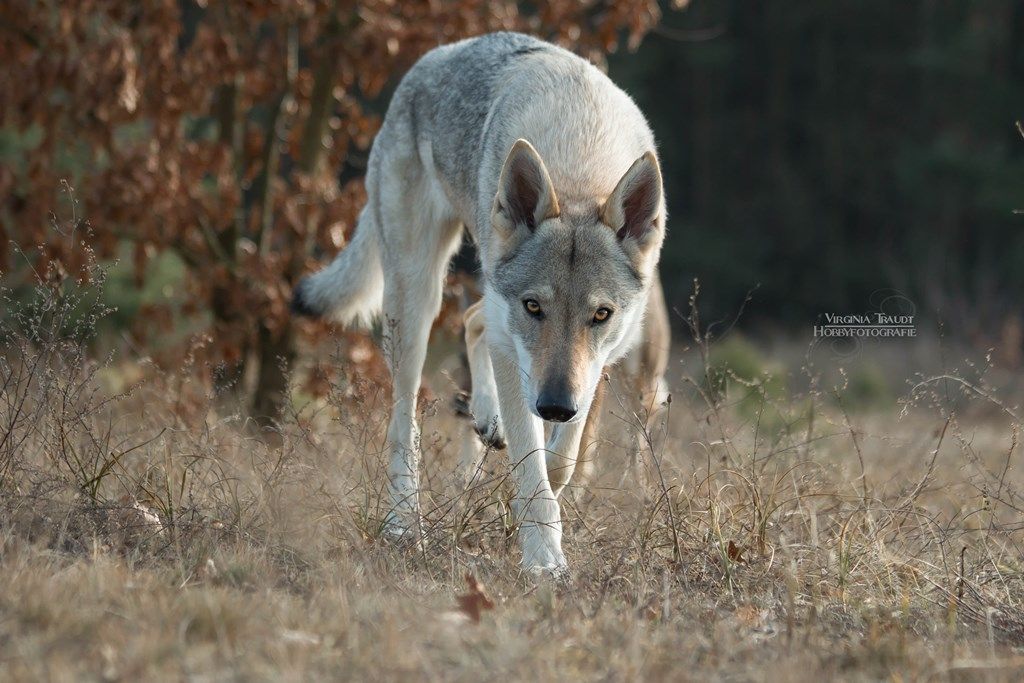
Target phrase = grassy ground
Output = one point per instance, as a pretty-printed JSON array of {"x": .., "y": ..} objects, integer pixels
[{"x": 771, "y": 528}]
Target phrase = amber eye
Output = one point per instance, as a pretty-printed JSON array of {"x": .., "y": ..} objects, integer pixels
[
  {"x": 533, "y": 308},
  {"x": 602, "y": 314}
]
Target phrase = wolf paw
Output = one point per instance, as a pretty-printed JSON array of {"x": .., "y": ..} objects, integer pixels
[
  {"x": 486, "y": 420},
  {"x": 542, "y": 555},
  {"x": 556, "y": 573},
  {"x": 404, "y": 533},
  {"x": 460, "y": 404},
  {"x": 492, "y": 436}
]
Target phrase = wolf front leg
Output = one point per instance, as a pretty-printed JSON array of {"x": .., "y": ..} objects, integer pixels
[
  {"x": 540, "y": 521},
  {"x": 562, "y": 453}
]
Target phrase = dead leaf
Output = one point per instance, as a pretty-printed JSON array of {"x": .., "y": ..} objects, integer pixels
[
  {"x": 299, "y": 637},
  {"x": 206, "y": 571},
  {"x": 735, "y": 553},
  {"x": 141, "y": 518},
  {"x": 475, "y": 601}
]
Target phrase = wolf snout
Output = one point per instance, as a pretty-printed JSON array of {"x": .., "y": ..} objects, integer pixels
[{"x": 556, "y": 406}]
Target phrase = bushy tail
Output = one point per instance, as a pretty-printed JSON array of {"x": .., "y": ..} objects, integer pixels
[{"x": 351, "y": 289}]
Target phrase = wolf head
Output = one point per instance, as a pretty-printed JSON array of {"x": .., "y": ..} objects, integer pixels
[{"x": 572, "y": 278}]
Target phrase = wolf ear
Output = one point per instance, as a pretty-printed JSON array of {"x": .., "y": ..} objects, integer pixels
[
  {"x": 525, "y": 193},
  {"x": 635, "y": 202}
]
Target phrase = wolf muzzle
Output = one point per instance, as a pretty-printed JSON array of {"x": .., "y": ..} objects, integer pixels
[{"x": 556, "y": 405}]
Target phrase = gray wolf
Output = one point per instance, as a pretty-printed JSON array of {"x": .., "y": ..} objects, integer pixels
[{"x": 552, "y": 170}]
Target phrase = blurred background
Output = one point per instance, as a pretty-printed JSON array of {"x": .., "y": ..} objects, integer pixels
[
  {"x": 827, "y": 150},
  {"x": 815, "y": 153}
]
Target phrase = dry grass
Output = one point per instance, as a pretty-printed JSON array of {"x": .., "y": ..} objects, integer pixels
[{"x": 146, "y": 533}]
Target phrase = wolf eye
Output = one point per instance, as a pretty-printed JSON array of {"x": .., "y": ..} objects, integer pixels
[
  {"x": 533, "y": 308},
  {"x": 602, "y": 314}
]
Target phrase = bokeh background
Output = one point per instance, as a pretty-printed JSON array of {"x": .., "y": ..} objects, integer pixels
[
  {"x": 830, "y": 149},
  {"x": 815, "y": 153}
]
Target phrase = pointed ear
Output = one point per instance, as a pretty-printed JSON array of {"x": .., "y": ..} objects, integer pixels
[
  {"x": 635, "y": 202},
  {"x": 525, "y": 194}
]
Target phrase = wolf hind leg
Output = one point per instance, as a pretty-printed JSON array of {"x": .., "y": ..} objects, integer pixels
[
  {"x": 483, "y": 401},
  {"x": 587, "y": 449}
]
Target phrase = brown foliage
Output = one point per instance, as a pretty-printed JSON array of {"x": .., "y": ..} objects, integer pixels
[{"x": 220, "y": 131}]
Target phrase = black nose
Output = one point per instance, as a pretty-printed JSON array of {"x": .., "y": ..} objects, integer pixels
[{"x": 556, "y": 409}]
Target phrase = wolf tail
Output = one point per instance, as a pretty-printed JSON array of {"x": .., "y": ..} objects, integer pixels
[{"x": 351, "y": 289}]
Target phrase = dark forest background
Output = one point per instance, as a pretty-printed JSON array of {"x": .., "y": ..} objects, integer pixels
[{"x": 827, "y": 150}]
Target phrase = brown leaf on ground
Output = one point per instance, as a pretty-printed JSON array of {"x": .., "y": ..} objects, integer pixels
[
  {"x": 475, "y": 601},
  {"x": 735, "y": 553}
]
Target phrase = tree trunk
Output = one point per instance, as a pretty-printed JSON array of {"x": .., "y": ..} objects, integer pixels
[
  {"x": 229, "y": 379},
  {"x": 276, "y": 355},
  {"x": 277, "y": 350}
]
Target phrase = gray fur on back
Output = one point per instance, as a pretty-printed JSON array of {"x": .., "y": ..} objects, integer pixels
[{"x": 469, "y": 101}]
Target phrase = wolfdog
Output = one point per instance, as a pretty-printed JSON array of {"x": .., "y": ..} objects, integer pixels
[{"x": 552, "y": 169}]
